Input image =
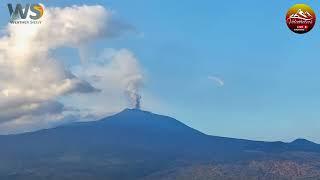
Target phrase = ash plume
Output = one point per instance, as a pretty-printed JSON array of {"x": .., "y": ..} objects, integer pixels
[
  {"x": 137, "y": 104},
  {"x": 133, "y": 91}
]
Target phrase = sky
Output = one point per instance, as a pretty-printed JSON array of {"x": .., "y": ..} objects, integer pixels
[{"x": 225, "y": 68}]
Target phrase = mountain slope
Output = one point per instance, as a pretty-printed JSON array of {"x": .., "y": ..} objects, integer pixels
[{"x": 136, "y": 144}]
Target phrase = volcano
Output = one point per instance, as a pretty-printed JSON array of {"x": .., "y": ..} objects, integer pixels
[{"x": 136, "y": 144}]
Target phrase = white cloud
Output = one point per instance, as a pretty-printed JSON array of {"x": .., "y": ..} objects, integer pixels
[
  {"x": 116, "y": 73},
  {"x": 31, "y": 79},
  {"x": 217, "y": 80}
]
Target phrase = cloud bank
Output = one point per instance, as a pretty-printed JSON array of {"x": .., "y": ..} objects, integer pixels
[{"x": 32, "y": 80}]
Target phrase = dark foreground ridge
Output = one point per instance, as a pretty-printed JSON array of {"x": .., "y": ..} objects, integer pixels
[{"x": 135, "y": 144}]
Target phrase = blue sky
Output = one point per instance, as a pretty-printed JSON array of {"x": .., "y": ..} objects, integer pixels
[{"x": 271, "y": 75}]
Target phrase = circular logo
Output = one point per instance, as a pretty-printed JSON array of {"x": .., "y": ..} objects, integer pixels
[{"x": 300, "y": 18}]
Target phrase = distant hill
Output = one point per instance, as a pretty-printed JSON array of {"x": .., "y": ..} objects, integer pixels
[{"x": 135, "y": 144}]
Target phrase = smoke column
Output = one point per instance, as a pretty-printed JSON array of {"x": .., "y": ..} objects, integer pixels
[
  {"x": 132, "y": 91},
  {"x": 138, "y": 101}
]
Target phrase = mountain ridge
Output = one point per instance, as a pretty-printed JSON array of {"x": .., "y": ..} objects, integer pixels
[
  {"x": 135, "y": 144},
  {"x": 128, "y": 110}
]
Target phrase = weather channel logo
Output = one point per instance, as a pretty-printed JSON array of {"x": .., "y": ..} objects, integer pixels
[
  {"x": 300, "y": 18},
  {"x": 28, "y": 14}
]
